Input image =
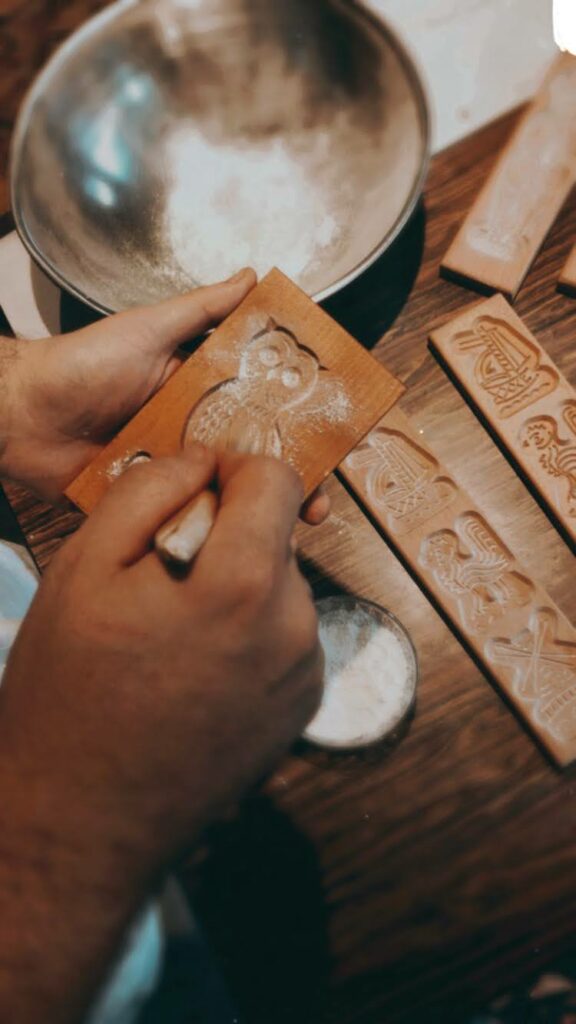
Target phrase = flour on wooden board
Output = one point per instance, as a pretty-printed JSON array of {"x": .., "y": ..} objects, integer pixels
[
  {"x": 369, "y": 675},
  {"x": 281, "y": 391}
]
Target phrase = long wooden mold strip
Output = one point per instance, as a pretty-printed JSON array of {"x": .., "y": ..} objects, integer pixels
[
  {"x": 521, "y": 395},
  {"x": 513, "y": 213},
  {"x": 516, "y": 631},
  {"x": 567, "y": 282}
]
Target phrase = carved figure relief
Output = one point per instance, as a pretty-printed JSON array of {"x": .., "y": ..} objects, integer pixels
[
  {"x": 543, "y": 670},
  {"x": 556, "y": 455},
  {"x": 508, "y": 365},
  {"x": 478, "y": 575},
  {"x": 276, "y": 375},
  {"x": 402, "y": 479}
]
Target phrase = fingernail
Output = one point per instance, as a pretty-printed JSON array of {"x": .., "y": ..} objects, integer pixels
[{"x": 238, "y": 277}]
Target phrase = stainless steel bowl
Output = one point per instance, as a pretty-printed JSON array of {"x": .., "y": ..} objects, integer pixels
[{"x": 169, "y": 142}]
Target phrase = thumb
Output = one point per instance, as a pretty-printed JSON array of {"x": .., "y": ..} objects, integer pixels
[{"x": 160, "y": 329}]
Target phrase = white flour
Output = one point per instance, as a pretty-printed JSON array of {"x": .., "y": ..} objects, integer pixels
[
  {"x": 230, "y": 207},
  {"x": 278, "y": 404},
  {"x": 369, "y": 679}
]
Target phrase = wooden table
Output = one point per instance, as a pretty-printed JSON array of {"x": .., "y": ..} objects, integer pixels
[{"x": 411, "y": 885}]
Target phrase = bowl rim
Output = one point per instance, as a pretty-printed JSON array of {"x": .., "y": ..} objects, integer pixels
[
  {"x": 410, "y": 66},
  {"x": 385, "y": 616}
]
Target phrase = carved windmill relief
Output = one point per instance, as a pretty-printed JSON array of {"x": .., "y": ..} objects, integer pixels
[{"x": 543, "y": 670}]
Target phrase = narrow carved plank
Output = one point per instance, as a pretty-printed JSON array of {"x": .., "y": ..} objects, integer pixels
[
  {"x": 516, "y": 631},
  {"x": 279, "y": 377},
  {"x": 525, "y": 399},
  {"x": 513, "y": 213}
]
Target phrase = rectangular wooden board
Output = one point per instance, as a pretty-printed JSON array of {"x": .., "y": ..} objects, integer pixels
[
  {"x": 567, "y": 282},
  {"x": 516, "y": 631},
  {"x": 522, "y": 197},
  {"x": 524, "y": 398},
  {"x": 278, "y": 377}
]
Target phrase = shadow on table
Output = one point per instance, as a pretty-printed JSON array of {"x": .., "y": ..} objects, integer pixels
[
  {"x": 75, "y": 314},
  {"x": 368, "y": 307},
  {"x": 262, "y": 905}
]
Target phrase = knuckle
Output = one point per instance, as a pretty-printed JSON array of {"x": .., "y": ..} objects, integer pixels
[{"x": 207, "y": 304}]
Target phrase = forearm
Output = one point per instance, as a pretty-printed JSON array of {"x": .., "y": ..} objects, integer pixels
[{"x": 70, "y": 884}]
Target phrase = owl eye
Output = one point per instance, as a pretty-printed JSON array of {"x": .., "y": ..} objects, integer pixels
[
  {"x": 291, "y": 378},
  {"x": 270, "y": 356}
]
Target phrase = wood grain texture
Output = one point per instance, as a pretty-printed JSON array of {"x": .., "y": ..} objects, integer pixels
[
  {"x": 567, "y": 282},
  {"x": 520, "y": 201},
  {"x": 279, "y": 377},
  {"x": 522, "y": 395},
  {"x": 411, "y": 884},
  {"x": 506, "y": 618}
]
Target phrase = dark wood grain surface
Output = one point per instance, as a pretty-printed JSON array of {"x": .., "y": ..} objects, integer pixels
[{"x": 409, "y": 884}]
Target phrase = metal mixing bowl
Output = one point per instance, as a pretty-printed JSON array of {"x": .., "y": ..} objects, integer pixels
[{"x": 169, "y": 142}]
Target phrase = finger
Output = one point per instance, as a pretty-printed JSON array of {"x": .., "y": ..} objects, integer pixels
[
  {"x": 165, "y": 326},
  {"x": 259, "y": 503},
  {"x": 316, "y": 508},
  {"x": 123, "y": 525}
]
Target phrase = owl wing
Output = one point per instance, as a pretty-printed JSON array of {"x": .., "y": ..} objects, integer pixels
[{"x": 210, "y": 418}]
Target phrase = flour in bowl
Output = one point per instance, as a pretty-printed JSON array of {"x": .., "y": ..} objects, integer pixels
[
  {"x": 370, "y": 676},
  {"x": 260, "y": 206}
]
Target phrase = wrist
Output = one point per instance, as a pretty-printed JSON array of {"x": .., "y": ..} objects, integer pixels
[
  {"x": 70, "y": 885},
  {"x": 100, "y": 841},
  {"x": 30, "y": 454}
]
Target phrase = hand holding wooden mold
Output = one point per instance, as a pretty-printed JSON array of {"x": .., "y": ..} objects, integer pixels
[
  {"x": 514, "y": 628},
  {"x": 523, "y": 196},
  {"x": 278, "y": 377},
  {"x": 523, "y": 396}
]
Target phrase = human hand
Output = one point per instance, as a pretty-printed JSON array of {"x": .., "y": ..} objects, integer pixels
[
  {"x": 135, "y": 707},
  {"x": 70, "y": 394},
  {"x": 158, "y": 701}
]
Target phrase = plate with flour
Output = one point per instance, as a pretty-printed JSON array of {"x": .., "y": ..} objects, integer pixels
[
  {"x": 168, "y": 143},
  {"x": 370, "y": 675}
]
